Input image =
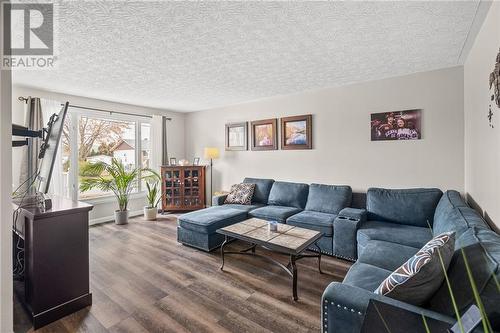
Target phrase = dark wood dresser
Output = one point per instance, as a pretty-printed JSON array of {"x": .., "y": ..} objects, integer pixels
[
  {"x": 183, "y": 188},
  {"x": 55, "y": 282}
]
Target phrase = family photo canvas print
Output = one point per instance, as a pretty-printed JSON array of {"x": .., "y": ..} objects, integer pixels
[{"x": 400, "y": 125}]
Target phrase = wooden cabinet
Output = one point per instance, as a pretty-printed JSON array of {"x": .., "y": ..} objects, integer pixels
[
  {"x": 183, "y": 188},
  {"x": 54, "y": 246}
]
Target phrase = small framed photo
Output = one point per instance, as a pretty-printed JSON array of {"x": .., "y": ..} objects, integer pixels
[
  {"x": 196, "y": 161},
  {"x": 237, "y": 136},
  {"x": 264, "y": 134},
  {"x": 173, "y": 161},
  {"x": 296, "y": 132}
]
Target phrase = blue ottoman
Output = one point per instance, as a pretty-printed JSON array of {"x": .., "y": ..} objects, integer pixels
[{"x": 197, "y": 229}]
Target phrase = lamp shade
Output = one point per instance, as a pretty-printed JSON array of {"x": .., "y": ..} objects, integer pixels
[{"x": 211, "y": 153}]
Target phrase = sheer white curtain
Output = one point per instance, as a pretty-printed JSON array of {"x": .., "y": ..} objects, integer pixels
[
  {"x": 158, "y": 142},
  {"x": 59, "y": 180}
]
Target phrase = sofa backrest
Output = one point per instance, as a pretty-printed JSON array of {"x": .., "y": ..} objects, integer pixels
[
  {"x": 453, "y": 214},
  {"x": 262, "y": 189},
  {"x": 409, "y": 206},
  {"x": 328, "y": 198},
  {"x": 481, "y": 247},
  {"x": 288, "y": 194}
]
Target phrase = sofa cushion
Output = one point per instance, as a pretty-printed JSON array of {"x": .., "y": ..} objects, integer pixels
[
  {"x": 392, "y": 232},
  {"x": 240, "y": 194},
  {"x": 321, "y": 222},
  {"x": 288, "y": 194},
  {"x": 418, "y": 278},
  {"x": 365, "y": 276},
  {"x": 274, "y": 213},
  {"x": 386, "y": 255},
  {"x": 328, "y": 198},
  {"x": 482, "y": 250},
  {"x": 409, "y": 206},
  {"x": 208, "y": 220},
  {"x": 262, "y": 189},
  {"x": 453, "y": 214},
  {"x": 246, "y": 208}
]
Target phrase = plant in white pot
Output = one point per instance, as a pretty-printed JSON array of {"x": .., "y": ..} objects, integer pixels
[
  {"x": 153, "y": 195},
  {"x": 115, "y": 178}
]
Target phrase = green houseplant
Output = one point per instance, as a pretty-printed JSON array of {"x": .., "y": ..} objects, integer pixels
[
  {"x": 153, "y": 196},
  {"x": 115, "y": 178}
]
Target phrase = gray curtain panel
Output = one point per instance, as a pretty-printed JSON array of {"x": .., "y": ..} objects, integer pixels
[{"x": 29, "y": 165}]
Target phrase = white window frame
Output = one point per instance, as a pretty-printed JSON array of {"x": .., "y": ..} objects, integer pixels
[{"x": 75, "y": 114}]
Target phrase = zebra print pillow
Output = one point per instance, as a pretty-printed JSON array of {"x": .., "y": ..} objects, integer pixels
[
  {"x": 419, "y": 278},
  {"x": 240, "y": 194}
]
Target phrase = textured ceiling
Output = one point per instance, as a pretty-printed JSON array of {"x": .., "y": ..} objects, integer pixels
[{"x": 189, "y": 56}]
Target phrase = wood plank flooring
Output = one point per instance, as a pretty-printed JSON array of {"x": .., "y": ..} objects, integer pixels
[{"x": 142, "y": 280}]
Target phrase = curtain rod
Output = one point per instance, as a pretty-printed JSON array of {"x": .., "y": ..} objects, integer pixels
[
  {"x": 21, "y": 98},
  {"x": 111, "y": 112}
]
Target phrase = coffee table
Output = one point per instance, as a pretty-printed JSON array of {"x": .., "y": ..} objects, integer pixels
[{"x": 288, "y": 240}]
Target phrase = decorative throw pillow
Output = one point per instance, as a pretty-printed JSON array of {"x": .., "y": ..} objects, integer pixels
[
  {"x": 419, "y": 278},
  {"x": 240, "y": 194}
]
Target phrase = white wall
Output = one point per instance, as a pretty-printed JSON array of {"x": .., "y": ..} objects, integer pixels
[
  {"x": 482, "y": 143},
  {"x": 343, "y": 152},
  {"x": 6, "y": 316},
  {"x": 103, "y": 209}
]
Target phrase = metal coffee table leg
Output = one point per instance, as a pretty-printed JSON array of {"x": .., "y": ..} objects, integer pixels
[
  {"x": 294, "y": 276},
  {"x": 222, "y": 251},
  {"x": 319, "y": 257}
]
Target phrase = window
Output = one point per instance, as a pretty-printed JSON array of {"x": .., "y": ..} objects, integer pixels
[
  {"x": 145, "y": 153},
  {"x": 99, "y": 137}
]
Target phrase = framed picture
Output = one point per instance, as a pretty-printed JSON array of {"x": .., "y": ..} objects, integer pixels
[
  {"x": 237, "y": 136},
  {"x": 173, "y": 161},
  {"x": 196, "y": 161},
  {"x": 264, "y": 134},
  {"x": 296, "y": 132},
  {"x": 400, "y": 125}
]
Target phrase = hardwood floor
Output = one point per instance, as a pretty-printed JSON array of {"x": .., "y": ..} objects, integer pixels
[{"x": 142, "y": 280}]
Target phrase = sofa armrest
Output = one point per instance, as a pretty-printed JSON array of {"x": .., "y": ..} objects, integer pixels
[
  {"x": 343, "y": 308},
  {"x": 218, "y": 200},
  {"x": 353, "y": 213},
  {"x": 345, "y": 228}
]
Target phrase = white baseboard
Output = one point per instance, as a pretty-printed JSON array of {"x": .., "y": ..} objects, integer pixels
[{"x": 107, "y": 219}]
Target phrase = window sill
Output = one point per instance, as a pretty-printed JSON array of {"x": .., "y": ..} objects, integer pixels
[{"x": 112, "y": 198}]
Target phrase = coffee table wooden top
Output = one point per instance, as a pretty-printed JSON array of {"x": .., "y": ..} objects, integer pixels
[{"x": 288, "y": 239}]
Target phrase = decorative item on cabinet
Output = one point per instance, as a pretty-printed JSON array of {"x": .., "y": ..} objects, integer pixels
[{"x": 183, "y": 188}]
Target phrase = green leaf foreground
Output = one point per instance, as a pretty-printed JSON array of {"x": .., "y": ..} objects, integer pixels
[
  {"x": 427, "y": 330},
  {"x": 452, "y": 296},
  {"x": 484, "y": 318},
  {"x": 448, "y": 284},
  {"x": 382, "y": 318}
]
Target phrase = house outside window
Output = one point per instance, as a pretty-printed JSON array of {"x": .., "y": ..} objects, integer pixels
[{"x": 91, "y": 136}]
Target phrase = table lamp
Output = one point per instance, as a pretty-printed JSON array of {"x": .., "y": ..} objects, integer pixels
[{"x": 211, "y": 153}]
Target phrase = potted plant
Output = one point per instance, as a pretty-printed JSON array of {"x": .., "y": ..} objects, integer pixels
[
  {"x": 115, "y": 178},
  {"x": 152, "y": 196}
]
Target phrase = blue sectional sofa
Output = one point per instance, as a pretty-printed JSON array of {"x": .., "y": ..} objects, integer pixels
[
  {"x": 386, "y": 228},
  {"x": 312, "y": 206},
  {"x": 395, "y": 224}
]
